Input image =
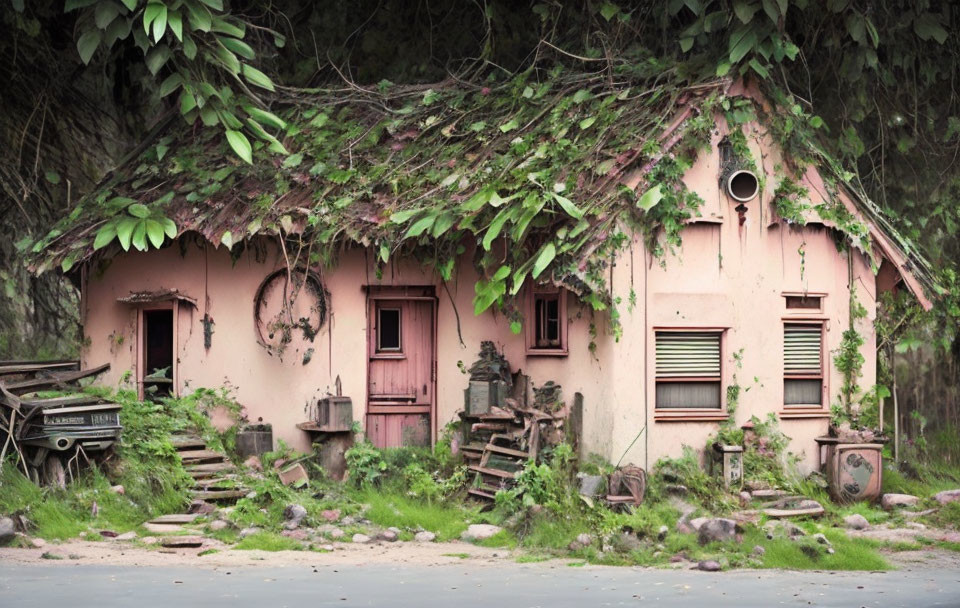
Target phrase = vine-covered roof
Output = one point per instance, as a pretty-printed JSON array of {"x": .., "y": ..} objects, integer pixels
[{"x": 531, "y": 168}]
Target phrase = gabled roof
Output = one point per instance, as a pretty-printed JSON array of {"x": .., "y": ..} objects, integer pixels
[{"x": 540, "y": 159}]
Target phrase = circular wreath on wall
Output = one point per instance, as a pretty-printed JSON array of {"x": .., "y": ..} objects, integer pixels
[{"x": 290, "y": 308}]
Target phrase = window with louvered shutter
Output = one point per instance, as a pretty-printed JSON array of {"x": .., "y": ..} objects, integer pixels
[
  {"x": 803, "y": 364},
  {"x": 688, "y": 369}
]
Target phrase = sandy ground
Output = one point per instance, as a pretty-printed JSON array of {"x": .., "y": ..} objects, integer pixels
[{"x": 119, "y": 553}]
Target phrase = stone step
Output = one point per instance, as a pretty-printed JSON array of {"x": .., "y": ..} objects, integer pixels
[
  {"x": 181, "y": 541},
  {"x": 200, "y": 456},
  {"x": 218, "y": 494},
  {"x": 210, "y": 468},
  {"x": 187, "y": 442},
  {"x": 175, "y": 518},
  {"x": 482, "y": 493}
]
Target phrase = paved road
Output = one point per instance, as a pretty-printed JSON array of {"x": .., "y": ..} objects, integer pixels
[{"x": 498, "y": 586}]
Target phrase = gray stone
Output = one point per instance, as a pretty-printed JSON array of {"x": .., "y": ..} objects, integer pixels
[
  {"x": 291, "y": 524},
  {"x": 149, "y": 540},
  {"x": 219, "y": 524},
  {"x": 758, "y": 551},
  {"x": 294, "y": 513},
  {"x": 348, "y": 520},
  {"x": 388, "y": 535},
  {"x": 476, "y": 532},
  {"x": 8, "y": 531},
  {"x": 162, "y": 528},
  {"x": 326, "y": 547},
  {"x": 856, "y": 522},
  {"x": 574, "y": 546},
  {"x": 915, "y": 525},
  {"x": 425, "y": 537},
  {"x": 626, "y": 542},
  {"x": 831, "y": 550},
  {"x": 395, "y": 529},
  {"x": 745, "y": 498},
  {"x": 897, "y": 501},
  {"x": 248, "y": 532},
  {"x": 717, "y": 529},
  {"x": 820, "y": 538},
  {"x": 585, "y": 539},
  {"x": 126, "y": 536},
  {"x": 39, "y": 543},
  {"x": 361, "y": 539},
  {"x": 662, "y": 532},
  {"x": 300, "y": 535},
  {"x": 709, "y": 566},
  {"x": 590, "y": 485},
  {"x": 947, "y": 496}
]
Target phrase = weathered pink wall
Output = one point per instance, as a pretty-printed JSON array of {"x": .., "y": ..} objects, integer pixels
[{"x": 726, "y": 275}]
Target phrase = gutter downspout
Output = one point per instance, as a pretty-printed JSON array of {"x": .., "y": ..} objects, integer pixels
[{"x": 646, "y": 367}]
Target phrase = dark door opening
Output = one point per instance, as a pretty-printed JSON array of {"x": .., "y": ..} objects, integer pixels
[{"x": 158, "y": 353}]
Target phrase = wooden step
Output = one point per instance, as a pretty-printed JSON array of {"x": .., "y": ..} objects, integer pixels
[
  {"x": 481, "y": 493},
  {"x": 218, "y": 494},
  {"x": 175, "y": 518},
  {"x": 200, "y": 456},
  {"x": 212, "y": 467},
  {"x": 493, "y": 472},
  {"x": 187, "y": 442},
  {"x": 507, "y": 451}
]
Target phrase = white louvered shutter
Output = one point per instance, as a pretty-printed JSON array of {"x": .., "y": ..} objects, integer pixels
[
  {"x": 802, "y": 350},
  {"x": 688, "y": 354}
]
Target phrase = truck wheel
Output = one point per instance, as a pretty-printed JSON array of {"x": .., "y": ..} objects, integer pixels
[{"x": 53, "y": 472}]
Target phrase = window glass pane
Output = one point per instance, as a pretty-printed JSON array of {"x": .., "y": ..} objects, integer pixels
[
  {"x": 802, "y": 392},
  {"x": 546, "y": 310},
  {"x": 805, "y": 302},
  {"x": 704, "y": 395},
  {"x": 388, "y": 329}
]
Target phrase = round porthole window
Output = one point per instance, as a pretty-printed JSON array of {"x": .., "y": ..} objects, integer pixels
[
  {"x": 743, "y": 185},
  {"x": 290, "y": 308}
]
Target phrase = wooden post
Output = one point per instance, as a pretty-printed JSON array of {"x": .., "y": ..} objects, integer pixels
[{"x": 896, "y": 411}]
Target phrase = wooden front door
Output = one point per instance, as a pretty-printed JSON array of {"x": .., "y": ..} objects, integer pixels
[{"x": 401, "y": 369}]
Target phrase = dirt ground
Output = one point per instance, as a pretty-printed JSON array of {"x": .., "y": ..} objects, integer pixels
[{"x": 120, "y": 553}]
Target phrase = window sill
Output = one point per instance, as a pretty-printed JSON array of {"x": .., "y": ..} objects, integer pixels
[
  {"x": 547, "y": 352},
  {"x": 388, "y": 356},
  {"x": 689, "y": 415},
  {"x": 801, "y": 413}
]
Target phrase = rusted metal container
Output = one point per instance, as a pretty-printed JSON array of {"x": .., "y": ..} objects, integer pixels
[
  {"x": 335, "y": 414},
  {"x": 481, "y": 395},
  {"x": 854, "y": 470},
  {"x": 254, "y": 440}
]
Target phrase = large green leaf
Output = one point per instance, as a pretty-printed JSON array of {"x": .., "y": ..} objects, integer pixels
[
  {"x": 105, "y": 235},
  {"x": 139, "y": 239},
  {"x": 175, "y": 22},
  {"x": 568, "y": 206},
  {"x": 150, "y": 13},
  {"x": 87, "y": 45},
  {"x": 155, "y": 232},
  {"x": 105, "y": 13},
  {"x": 420, "y": 226},
  {"x": 130, "y": 4},
  {"x": 257, "y": 78},
  {"x": 742, "y": 42},
  {"x": 160, "y": 23},
  {"x": 170, "y": 84},
  {"x": 125, "y": 231},
  {"x": 229, "y": 60},
  {"x": 547, "y": 253},
  {"x": 495, "y": 226},
  {"x": 237, "y": 46},
  {"x": 169, "y": 227},
  {"x": 138, "y": 210},
  {"x": 199, "y": 17},
  {"x": 650, "y": 198},
  {"x": 240, "y": 144},
  {"x": 262, "y": 116},
  {"x": 157, "y": 57}
]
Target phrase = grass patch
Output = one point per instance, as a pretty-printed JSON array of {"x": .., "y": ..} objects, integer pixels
[
  {"x": 208, "y": 552},
  {"x": 850, "y": 554},
  {"x": 446, "y": 519},
  {"x": 457, "y": 555},
  {"x": 576, "y": 564},
  {"x": 502, "y": 539},
  {"x": 532, "y": 559},
  {"x": 268, "y": 541}
]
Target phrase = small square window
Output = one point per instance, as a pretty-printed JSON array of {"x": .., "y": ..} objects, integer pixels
[
  {"x": 388, "y": 330},
  {"x": 804, "y": 302},
  {"x": 803, "y": 365},
  {"x": 546, "y": 321}
]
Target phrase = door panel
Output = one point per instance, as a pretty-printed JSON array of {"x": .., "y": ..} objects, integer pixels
[{"x": 400, "y": 385}]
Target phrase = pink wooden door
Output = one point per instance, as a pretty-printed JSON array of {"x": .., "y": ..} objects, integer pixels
[{"x": 400, "y": 372}]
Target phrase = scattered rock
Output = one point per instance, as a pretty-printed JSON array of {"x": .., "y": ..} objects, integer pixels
[
  {"x": 294, "y": 512},
  {"x": 662, "y": 532},
  {"x": 897, "y": 501},
  {"x": 717, "y": 529},
  {"x": 361, "y": 539},
  {"x": 293, "y": 474},
  {"x": 38, "y": 543},
  {"x": 745, "y": 498},
  {"x": 585, "y": 539},
  {"x": 388, "y": 535},
  {"x": 162, "y": 528},
  {"x": 300, "y": 535},
  {"x": 574, "y": 546},
  {"x": 947, "y": 496},
  {"x": 793, "y": 530},
  {"x": 820, "y": 538},
  {"x": 181, "y": 541},
  {"x": 349, "y": 520},
  {"x": 148, "y": 540},
  {"x": 915, "y": 514},
  {"x": 331, "y": 515},
  {"x": 626, "y": 542},
  {"x": 117, "y": 490},
  {"x": 767, "y": 494},
  {"x": 218, "y": 525},
  {"x": 201, "y": 507},
  {"x": 856, "y": 522},
  {"x": 108, "y": 534},
  {"x": 126, "y": 536},
  {"x": 831, "y": 550},
  {"x": 758, "y": 551},
  {"x": 251, "y": 495},
  {"x": 253, "y": 463},
  {"x": 709, "y": 566},
  {"x": 425, "y": 537},
  {"x": 697, "y": 522},
  {"x": 679, "y": 557},
  {"x": 915, "y": 525},
  {"x": 248, "y": 532},
  {"x": 677, "y": 489},
  {"x": 480, "y": 532},
  {"x": 332, "y": 531},
  {"x": 326, "y": 547}
]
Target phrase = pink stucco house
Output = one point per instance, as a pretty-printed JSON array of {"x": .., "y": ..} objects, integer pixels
[{"x": 747, "y": 297}]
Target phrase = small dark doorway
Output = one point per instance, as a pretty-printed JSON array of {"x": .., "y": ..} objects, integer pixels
[{"x": 158, "y": 353}]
